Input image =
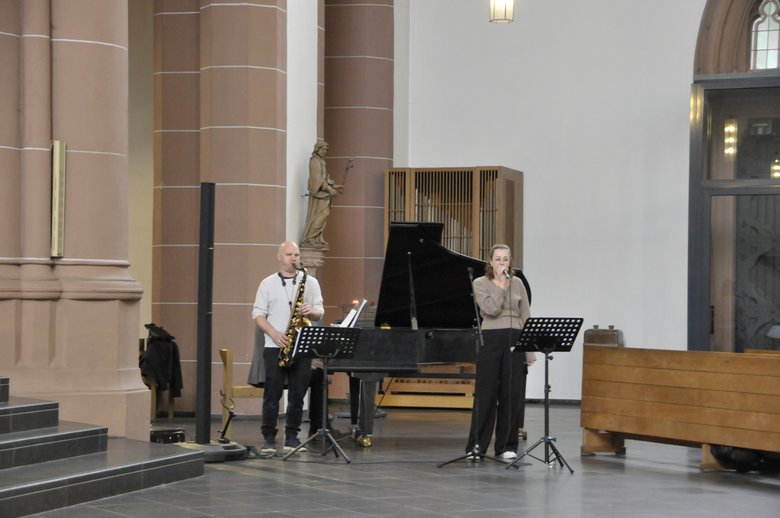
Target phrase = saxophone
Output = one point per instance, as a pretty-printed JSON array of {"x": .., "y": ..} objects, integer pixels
[{"x": 297, "y": 321}]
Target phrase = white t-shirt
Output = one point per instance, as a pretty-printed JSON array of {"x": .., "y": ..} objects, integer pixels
[{"x": 275, "y": 298}]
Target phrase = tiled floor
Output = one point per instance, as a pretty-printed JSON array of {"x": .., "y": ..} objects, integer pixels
[{"x": 398, "y": 476}]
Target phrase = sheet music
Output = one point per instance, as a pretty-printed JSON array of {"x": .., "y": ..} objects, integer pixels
[
  {"x": 354, "y": 314},
  {"x": 297, "y": 344},
  {"x": 349, "y": 319},
  {"x": 360, "y": 309}
]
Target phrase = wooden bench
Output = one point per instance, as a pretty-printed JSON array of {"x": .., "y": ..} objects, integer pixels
[
  {"x": 230, "y": 391},
  {"x": 690, "y": 398}
]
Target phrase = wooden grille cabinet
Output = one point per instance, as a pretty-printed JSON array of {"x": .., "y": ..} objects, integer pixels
[{"x": 479, "y": 206}]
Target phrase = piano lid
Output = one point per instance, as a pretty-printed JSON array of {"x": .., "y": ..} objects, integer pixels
[{"x": 442, "y": 287}]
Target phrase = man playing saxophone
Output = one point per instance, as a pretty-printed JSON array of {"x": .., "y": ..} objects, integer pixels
[{"x": 283, "y": 299}]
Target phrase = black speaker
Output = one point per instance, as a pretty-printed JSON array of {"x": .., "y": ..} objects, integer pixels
[{"x": 205, "y": 293}]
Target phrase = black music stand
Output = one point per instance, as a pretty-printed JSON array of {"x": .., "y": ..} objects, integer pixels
[
  {"x": 325, "y": 343},
  {"x": 547, "y": 335}
]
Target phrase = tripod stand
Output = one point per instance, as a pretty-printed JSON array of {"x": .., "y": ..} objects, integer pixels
[
  {"x": 547, "y": 335},
  {"x": 325, "y": 343}
]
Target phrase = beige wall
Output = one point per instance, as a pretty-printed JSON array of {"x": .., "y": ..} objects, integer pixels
[{"x": 140, "y": 151}]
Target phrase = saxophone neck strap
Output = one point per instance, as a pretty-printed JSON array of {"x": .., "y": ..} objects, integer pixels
[{"x": 284, "y": 279}]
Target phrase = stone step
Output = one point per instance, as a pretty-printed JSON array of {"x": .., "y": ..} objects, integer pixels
[
  {"x": 19, "y": 413},
  {"x": 124, "y": 466},
  {"x": 64, "y": 440}
]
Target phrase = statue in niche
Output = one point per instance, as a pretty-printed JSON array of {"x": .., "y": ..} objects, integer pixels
[{"x": 322, "y": 189}]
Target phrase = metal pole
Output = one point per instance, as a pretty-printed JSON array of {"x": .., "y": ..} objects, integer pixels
[{"x": 205, "y": 285}]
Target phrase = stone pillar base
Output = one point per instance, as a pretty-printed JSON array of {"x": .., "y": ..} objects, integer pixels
[
  {"x": 82, "y": 354},
  {"x": 311, "y": 259},
  {"x": 123, "y": 409}
]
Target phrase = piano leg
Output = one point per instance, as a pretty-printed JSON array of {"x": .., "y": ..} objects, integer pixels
[{"x": 369, "y": 382}]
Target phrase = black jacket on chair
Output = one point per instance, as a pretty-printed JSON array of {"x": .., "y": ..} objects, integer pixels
[{"x": 160, "y": 361}]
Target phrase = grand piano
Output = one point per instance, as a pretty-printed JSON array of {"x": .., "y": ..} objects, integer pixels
[{"x": 425, "y": 314}]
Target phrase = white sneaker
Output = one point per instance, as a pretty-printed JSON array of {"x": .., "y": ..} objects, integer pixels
[
  {"x": 509, "y": 455},
  {"x": 291, "y": 444},
  {"x": 269, "y": 448}
]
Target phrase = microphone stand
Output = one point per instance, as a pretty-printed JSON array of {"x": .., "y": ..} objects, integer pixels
[
  {"x": 475, "y": 455},
  {"x": 412, "y": 300}
]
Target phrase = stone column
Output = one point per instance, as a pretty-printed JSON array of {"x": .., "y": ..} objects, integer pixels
[
  {"x": 221, "y": 115},
  {"x": 40, "y": 290},
  {"x": 311, "y": 259},
  {"x": 11, "y": 150},
  {"x": 76, "y": 317},
  {"x": 358, "y": 125},
  {"x": 177, "y": 180}
]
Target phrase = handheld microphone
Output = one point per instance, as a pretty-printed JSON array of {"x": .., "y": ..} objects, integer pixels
[{"x": 507, "y": 274}]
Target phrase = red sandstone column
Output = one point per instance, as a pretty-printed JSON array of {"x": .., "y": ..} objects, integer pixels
[
  {"x": 11, "y": 150},
  {"x": 97, "y": 318},
  {"x": 244, "y": 150},
  {"x": 359, "y": 125},
  {"x": 221, "y": 117},
  {"x": 76, "y": 322},
  {"x": 177, "y": 179},
  {"x": 358, "y": 116},
  {"x": 40, "y": 290}
]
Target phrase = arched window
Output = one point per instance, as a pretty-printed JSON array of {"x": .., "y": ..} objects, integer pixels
[
  {"x": 766, "y": 36},
  {"x": 734, "y": 223}
]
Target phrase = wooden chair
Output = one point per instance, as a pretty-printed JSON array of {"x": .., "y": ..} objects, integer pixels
[{"x": 230, "y": 392}]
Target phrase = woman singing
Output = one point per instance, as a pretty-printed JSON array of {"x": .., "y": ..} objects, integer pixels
[{"x": 501, "y": 370}]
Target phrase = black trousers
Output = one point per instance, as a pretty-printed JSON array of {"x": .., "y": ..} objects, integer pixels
[
  {"x": 316, "y": 389},
  {"x": 499, "y": 393},
  {"x": 297, "y": 376},
  {"x": 354, "y": 399}
]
